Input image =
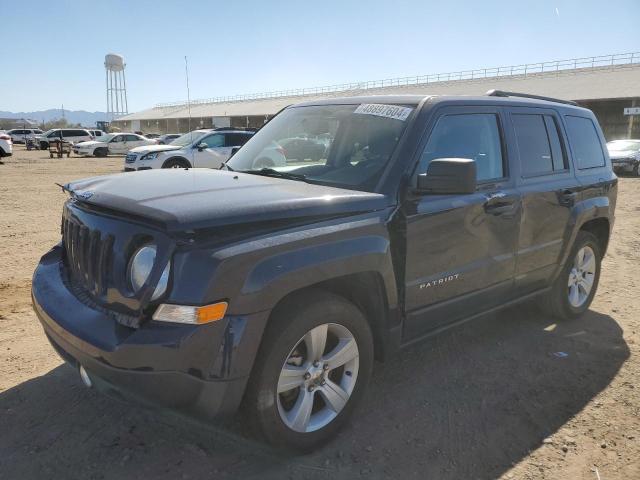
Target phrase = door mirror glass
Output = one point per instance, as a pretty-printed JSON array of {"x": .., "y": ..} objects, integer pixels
[
  {"x": 202, "y": 146},
  {"x": 448, "y": 176}
]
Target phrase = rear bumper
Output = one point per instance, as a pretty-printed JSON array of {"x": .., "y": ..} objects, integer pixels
[{"x": 197, "y": 369}]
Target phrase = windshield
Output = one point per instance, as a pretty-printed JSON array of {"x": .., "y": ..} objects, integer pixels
[
  {"x": 188, "y": 138},
  {"x": 106, "y": 138},
  {"x": 624, "y": 145},
  {"x": 342, "y": 145}
]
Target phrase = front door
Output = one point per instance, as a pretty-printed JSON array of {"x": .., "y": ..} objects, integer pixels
[
  {"x": 117, "y": 144},
  {"x": 460, "y": 249},
  {"x": 214, "y": 155}
]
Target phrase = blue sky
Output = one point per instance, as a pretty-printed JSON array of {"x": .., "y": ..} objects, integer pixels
[{"x": 252, "y": 46}]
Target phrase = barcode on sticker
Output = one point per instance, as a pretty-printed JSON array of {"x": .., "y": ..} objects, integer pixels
[{"x": 388, "y": 111}]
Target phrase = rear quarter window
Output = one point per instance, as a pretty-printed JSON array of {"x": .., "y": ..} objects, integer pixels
[{"x": 585, "y": 142}]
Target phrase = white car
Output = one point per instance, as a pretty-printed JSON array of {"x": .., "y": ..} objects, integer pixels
[
  {"x": 96, "y": 133},
  {"x": 19, "y": 135},
  {"x": 625, "y": 156},
  {"x": 72, "y": 135},
  {"x": 112, "y": 143},
  {"x": 200, "y": 148},
  {"x": 6, "y": 145}
]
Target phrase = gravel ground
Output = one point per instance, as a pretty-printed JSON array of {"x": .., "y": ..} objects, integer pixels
[{"x": 491, "y": 399}]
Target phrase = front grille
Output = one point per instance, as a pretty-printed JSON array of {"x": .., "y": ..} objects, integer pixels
[
  {"x": 89, "y": 256},
  {"x": 130, "y": 158}
]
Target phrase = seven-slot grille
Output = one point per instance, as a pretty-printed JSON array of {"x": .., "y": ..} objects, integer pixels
[
  {"x": 130, "y": 158},
  {"x": 89, "y": 256}
]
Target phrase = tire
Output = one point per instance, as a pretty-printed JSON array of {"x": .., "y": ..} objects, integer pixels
[
  {"x": 100, "y": 152},
  {"x": 44, "y": 146},
  {"x": 263, "y": 162},
  {"x": 636, "y": 170},
  {"x": 562, "y": 301},
  {"x": 284, "y": 349},
  {"x": 176, "y": 163}
]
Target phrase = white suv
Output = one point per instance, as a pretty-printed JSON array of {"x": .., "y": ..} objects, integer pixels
[
  {"x": 6, "y": 145},
  {"x": 200, "y": 148},
  {"x": 72, "y": 135},
  {"x": 19, "y": 135},
  {"x": 112, "y": 143}
]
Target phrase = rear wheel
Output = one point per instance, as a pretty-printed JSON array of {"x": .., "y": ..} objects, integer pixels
[
  {"x": 100, "y": 152},
  {"x": 575, "y": 287},
  {"x": 312, "y": 368},
  {"x": 176, "y": 163},
  {"x": 636, "y": 170},
  {"x": 44, "y": 145}
]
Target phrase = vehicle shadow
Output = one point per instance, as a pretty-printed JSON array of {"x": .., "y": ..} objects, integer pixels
[{"x": 465, "y": 404}]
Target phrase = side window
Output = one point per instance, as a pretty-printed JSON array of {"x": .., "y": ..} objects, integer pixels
[
  {"x": 539, "y": 144},
  {"x": 132, "y": 138},
  {"x": 236, "y": 139},
  {"x": 118, "y": 138},
  {"x": 214, "y": 141},
  {"x": 475, "y": 136},
  {"x": 67, "y": 133},
  {"x": 585, "y": 142}
]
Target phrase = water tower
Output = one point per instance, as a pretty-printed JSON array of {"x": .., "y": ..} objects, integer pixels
[{"x": 116, "y": 86}]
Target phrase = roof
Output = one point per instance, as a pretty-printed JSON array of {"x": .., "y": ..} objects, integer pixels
[{"x": 616, "y": 81}]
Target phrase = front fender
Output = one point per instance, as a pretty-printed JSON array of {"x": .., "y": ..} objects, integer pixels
[{"x": 255, "y": 274}]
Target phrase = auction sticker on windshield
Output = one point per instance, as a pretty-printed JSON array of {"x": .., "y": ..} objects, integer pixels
[{"x": 388, "y": 111}]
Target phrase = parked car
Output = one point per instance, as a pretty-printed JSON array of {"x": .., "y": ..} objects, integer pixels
[
  {"x": 111, "y": 143},
  {"x": 72, "y": 135},
  {"x": 6, "y": 145},
  {"x": 167, "y": 138},
  {"x": 625, "y": 156},
  {"x": 278, "y": 287},
  {"x": 19, "y": 135},
  {"x": 200, "y": 148},
  {"x": 96, "y": 133},
  {"x": 151, "y": 135},
  {"x": 302, "y": 149}
]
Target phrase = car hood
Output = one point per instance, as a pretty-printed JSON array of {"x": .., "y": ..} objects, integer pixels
[
  {"x": 89, "y": 143},
  {"x": 154, "y": 148},
  {"x": 192, "y": 199}
]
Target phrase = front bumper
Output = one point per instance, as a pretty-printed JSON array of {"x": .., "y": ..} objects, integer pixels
[
  {"x": 623, "y": 165},
  {"x": 196, "y": 369}
]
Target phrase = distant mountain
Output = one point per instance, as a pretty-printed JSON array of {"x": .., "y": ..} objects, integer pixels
[{"x": 86, "y": 119}]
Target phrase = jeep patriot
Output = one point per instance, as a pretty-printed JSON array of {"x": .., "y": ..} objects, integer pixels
[{"x": 273, "y": 289}]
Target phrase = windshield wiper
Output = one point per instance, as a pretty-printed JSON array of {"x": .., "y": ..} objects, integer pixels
[{"x": 270, "y": 172}]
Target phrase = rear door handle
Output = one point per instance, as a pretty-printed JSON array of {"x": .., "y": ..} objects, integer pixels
[{"x": 568, "y": 197}]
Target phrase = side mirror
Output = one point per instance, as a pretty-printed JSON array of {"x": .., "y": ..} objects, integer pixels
[
  {"x": 202, "y": 146},
  {"x": 449, "y": 176},
  {"x": 234, "y": 150}
]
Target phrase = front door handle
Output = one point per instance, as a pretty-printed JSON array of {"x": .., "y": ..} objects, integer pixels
[{"x": 500, "y": 203}]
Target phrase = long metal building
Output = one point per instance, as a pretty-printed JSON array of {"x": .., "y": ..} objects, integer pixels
[{"x": 609, "y": 85}]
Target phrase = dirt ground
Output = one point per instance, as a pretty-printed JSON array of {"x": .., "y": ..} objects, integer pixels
[{"x": 495, "y": 398}]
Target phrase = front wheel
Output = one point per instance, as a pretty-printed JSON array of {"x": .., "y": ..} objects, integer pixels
[
  {"x": 312, "y": 369},
  {"x": 636, "y": 170},
  {"x": 575, "y": 287}
]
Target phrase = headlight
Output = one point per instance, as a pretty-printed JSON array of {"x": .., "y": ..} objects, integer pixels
[
  {"x": 140, "y": 268},
  {"x": 150, "y": 156}
]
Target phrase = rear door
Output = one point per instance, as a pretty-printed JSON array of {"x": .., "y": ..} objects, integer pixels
[
  {"x": 549, "y": 191},
  {"x": 460, "y": 249}
]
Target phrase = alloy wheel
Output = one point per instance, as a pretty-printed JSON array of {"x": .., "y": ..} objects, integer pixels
[
  {"x": 318, "y": 378},
  {"x": 581, "y": 276}
]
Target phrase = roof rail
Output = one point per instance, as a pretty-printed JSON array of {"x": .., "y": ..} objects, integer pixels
[{"x": 502, "y": 93}]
